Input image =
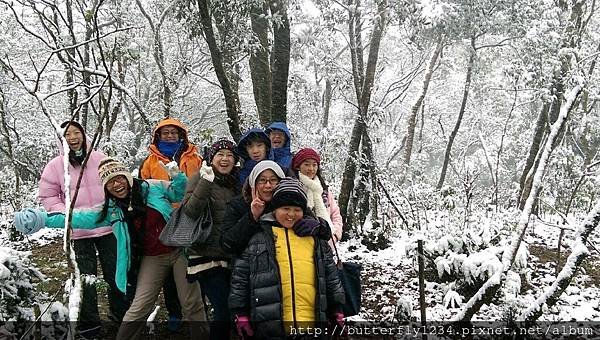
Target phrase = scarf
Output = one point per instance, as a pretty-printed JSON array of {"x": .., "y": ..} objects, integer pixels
[
  {"x": 76, "y": 157},
  {"x": 314, "y": 192},
  {"x": 169, "y": 149}
]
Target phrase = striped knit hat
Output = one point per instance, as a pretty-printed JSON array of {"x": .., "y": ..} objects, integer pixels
[{"x": 289, "y": 192}]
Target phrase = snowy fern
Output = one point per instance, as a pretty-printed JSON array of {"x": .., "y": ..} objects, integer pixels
[
  {"x": 452, "y": 299},
  {"x": 443, "y": 266}
]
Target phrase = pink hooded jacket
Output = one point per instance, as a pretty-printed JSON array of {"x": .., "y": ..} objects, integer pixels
[
  {"x": 91, "y": 192},
  {"x": 336, "y": 217}
]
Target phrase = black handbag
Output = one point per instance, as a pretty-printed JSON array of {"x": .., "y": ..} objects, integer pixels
[
  {"x": 182, "y": 230},
  {"x": 349, "y": 273}
]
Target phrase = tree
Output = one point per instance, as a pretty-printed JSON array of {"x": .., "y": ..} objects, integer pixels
[
  {"x": 363, "y": 86},
  {"x": 573, "y": 31},
  {"x": 269, "y": 65}
]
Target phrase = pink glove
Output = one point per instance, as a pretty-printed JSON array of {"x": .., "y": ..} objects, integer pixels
[
  {"x": 338, "y": 318},
  {"x": 242, "y": 323}
]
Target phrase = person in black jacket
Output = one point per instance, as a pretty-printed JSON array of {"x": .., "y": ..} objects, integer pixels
[{"x": 286, "y": 277}]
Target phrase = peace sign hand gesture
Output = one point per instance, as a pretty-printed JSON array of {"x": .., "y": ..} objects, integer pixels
[{"x": 257, "y": 206}]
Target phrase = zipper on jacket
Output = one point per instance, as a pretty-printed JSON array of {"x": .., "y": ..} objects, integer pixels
[{"x": 287, "y": 238}]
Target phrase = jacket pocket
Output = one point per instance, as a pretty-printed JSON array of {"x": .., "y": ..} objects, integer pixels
[{"x": 261, "y": 261}]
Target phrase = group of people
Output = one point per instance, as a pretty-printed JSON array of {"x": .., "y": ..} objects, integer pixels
[{"x": 266, "y": 266}]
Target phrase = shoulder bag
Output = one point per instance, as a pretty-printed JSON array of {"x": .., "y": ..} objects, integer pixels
[
  {"x": 182, "y": 230},
  {"x": 349, "y": 273}
]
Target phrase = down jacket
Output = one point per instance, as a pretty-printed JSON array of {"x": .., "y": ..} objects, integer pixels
[
  {"x": 160, "y": 195},
  {"x": 188, "y": 160},
  {"x": 90, "y": 194},
  {"x": 283, "y": 155},
  {"x": 256, "y": 285}
]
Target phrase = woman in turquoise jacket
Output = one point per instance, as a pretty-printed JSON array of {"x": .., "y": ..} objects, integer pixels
[{"x": 138, "y": 211}]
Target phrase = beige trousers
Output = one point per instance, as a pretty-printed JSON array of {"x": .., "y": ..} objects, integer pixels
[{"x": 153, "y": 271}]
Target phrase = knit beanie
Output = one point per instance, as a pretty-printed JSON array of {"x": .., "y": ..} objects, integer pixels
[
  {"x": 304, "y": 154},
  {"x": 110, "y": 168},
  {"x": 221, "y": 144},
  {"x": 289, "y": 192},
  {"x": 262, "y": 166}
]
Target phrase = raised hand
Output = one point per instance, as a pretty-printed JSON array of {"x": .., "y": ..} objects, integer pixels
[
  {"x": 29, "y": 221},
  {"x": 206, "y": 172},
  {"x": 171, "y": 168},
  {"x": 257, "y": 206}
]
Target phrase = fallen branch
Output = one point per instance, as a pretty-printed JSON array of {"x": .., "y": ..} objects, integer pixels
[{"x": 579, "y": 253}]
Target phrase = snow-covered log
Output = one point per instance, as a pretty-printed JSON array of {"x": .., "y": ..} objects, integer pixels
[
  {"x": 579, "y": 253},
  {"x": 489, "y": 289}
]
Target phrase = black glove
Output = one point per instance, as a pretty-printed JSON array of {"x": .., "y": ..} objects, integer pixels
[
  {"x": 307, "y": 226},
  {"x": 324, "y": 232}
]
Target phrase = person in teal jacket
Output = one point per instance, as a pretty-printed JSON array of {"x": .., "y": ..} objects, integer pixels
[{"x": 138, "y": 211}]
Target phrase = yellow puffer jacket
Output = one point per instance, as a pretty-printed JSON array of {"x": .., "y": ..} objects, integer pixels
[
  {"x": 295, "y": 257},
  {"x": 189, "y": 162}
]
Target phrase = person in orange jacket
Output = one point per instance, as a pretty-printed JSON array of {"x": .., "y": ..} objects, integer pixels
[{"x": 170, "y": 143}]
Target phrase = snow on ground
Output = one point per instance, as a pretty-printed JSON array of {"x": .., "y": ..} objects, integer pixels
[{"x": 390, "y": 276}]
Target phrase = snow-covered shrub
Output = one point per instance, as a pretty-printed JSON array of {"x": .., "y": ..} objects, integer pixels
[
  {"x": 466, "y": 256},
  {"x": 16, "y": 287}
]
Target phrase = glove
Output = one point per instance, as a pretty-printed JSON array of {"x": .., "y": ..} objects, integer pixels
[
  {"x": 337, "y": 319},
  {"x": 242, "y": 323},
  {"x": 324, "y": 231},
  {"x": 314, "y": 227},
  {"x": 29, "y": 221},
  {"x": 206, "y": 172},
  {"x": 171, "y": 168},
  {"x": 307, "y": 226}
]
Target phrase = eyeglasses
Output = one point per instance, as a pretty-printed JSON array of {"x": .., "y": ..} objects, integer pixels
[
  {"x": 111, "y": 182},
  {"x": 164, "y": 132},
  {"x": 272, "y": 181}
]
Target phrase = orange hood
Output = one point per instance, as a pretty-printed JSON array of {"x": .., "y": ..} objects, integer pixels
[{"x": 170, "y": 121}]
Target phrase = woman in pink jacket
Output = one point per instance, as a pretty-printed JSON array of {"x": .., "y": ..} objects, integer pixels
[
  {"x": 85, "y": 241},
  {"x": 306, "y": 165}
]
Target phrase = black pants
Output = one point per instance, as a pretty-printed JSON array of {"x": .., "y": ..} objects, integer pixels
[
  {"x": 171, "y": 299},
  {"x": 215, "y": 285},
  {"x": 85, "y": 256}
]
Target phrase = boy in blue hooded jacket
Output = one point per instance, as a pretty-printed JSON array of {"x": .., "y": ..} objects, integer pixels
[{"x": 281, "y": 139}]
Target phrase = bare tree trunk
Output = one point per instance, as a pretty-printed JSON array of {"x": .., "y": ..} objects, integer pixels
[
  {"x": 538, "y": 136},
  {"x": 260, "y": 66},
  {"x": 461, "y": 113},
  {"x": 499, "y": 154},
  {"x": 71, "y": 93},
  {"x": 363, "y": 87},
  {"x": 421, "y": 264},
  {"x": 350, "y": 170},
  {"x": 412, "y": 119},
  {"x": 327, "y": 94},
  {"x": 224, "y": 22},
  {"x": 232, "y": 100},
  {"x": 280, "y": 61},
  {"x": 159, "y": 56}
]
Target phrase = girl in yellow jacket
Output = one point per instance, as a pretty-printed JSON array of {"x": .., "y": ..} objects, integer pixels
[{"x": 286, "y": 279}]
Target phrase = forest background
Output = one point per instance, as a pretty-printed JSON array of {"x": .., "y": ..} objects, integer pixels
[{"x": 456, "y": 123}]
